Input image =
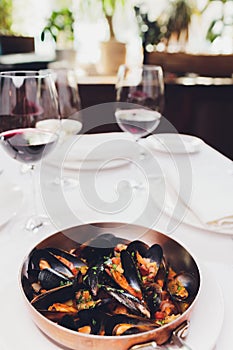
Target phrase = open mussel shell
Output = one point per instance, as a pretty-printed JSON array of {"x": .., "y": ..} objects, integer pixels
[
  {"x": 133, "y": 304},
  {"x": 127, "y": 322},
  {"x": 138, "y": 246},
  {"x": 153, "y": 253},
  {"x": 97, "y": 276},
  {"x": 56, "y": 295},
  {"x": 131, "y": 273},
  {"x": 39, "y": 255},
  {"x": 183, "y": 286},
  {"x": 58, "y": 316},
  {"x": 153, "y": 297},
  {"x": 70, "y": 258}
]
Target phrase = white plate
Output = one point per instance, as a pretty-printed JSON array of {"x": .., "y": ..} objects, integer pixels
[
  {"x": 11, "y": 198},
  {"x": 207, "y": 317},
  {"x": 94, "y": 151},
  {"x": 94, "y": 165},
  {"x": 175, "y": 143}
]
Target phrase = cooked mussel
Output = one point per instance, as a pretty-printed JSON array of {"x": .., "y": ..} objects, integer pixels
[
  {"x": 97, "y": 276},
  {"x": 50, "y": 278},
  {"x": 56, "y": 295},
  {"x": 85, "y": 321},
  {"x": 153, "y": 297},
  {"x": 138, "y": 246},
  {"x": 121, "y": 324},
  {"x": 148, "y": 259},
  {"x": 42, "y": 258},
  {"x": 132, "y": 303},
  {"x": 70, "y": 260},
  {"x": 131, "y": 274},
  {"x": 183, "y": 286}
]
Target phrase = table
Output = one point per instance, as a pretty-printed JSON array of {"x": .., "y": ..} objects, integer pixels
[{"x": 212, "y": 249}]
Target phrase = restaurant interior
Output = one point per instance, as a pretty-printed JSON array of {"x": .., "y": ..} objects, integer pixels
[{"x": 163, "y": 204}]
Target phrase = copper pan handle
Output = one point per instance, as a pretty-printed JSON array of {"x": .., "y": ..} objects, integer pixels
[
  {"x": 178, "y": 334},
  {"x": 176, "y": 339}
]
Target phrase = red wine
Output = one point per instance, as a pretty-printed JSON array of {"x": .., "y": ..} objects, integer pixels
[
  {"x": 139, "y": 121},
  {"x": 28, "y": 145}
]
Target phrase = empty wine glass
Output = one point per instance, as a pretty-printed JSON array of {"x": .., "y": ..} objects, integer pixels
[
  {"x": 140, "y": 89},
  {"x": 26, "y": 99},
  {"x": 70, "y": 112}
]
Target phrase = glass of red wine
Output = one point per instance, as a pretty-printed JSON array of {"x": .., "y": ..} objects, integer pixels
[
  {"x": 140, "y": 93},
  {"x": 27, "y": 98}
]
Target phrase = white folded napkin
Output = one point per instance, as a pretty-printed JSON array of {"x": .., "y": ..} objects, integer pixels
[
  {"x": 210, "y": 198},
  {"x": 199, "y": 188}
]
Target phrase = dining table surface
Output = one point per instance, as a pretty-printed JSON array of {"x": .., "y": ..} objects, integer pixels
[{"x": 91, "y": 200}]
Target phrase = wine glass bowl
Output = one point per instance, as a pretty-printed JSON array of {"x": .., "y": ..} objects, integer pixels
[
  {"x": 137, "y": 121},
  {"x": 141, "y": 89},
  {"x": 71, "y": 118},
  {"x": 141, "y": 85},
  {"x": 26, "y": 99},
  {"x": 68, "y": 103},
  {"x": 140, "y": 99}
]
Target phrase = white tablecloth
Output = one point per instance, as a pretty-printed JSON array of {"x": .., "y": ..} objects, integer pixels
[{"x": 213, "y": 249}]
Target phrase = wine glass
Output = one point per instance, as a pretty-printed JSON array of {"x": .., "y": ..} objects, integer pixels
[
  {"x": 26, "y": 99},
  {"x": 70, "y": 112},
  {"x": 140, "y": 97}
]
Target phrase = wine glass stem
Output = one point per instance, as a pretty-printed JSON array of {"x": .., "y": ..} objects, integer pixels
[
  {"x": 34, "y": 221},
  {"x": 142, "y": 154}
]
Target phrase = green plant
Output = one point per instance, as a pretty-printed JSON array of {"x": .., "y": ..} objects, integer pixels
[
  {"x": 178, "y": 19},
  {"x": 149, "y": 30},
  {"x": 218, "y": 25},
  {"x": 109, "y": 7},
  {"x": 60, "y": 24},
  {"x": 173, "y": 23},
  {"x": 5, "y": 16}
]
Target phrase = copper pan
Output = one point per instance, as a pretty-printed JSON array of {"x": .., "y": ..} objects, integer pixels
[{"x": 179, "y": 258}]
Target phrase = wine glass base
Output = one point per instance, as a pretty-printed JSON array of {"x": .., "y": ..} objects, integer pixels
[
  {"x": 35, "y": 223},
  {"x": 65, "y": 183}
]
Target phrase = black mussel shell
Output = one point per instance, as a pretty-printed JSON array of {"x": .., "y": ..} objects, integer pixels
[
  {"x": 91, "y": 317},
  {"x": 54, "y": 263},
  {"x": 99, "y": 247},
  {"x": 56, "y": 295},
  {"x": 132, "y": 303},
  {"x": 153, "y": 297},
  {"x": 123, "y": 319},
  {"x": 27, "y": 287},
  {"x": 78, "y": 263},
  {"x": 50, "y": 279},
  {"x": 186, "y": 286},
  {"x": 93, "y": 277},
  {"x": 155, "y": 254},
  {"x": 137, "y": 246},
  {"x": 68, "y": 321},
  {"x": 130, "y": 272},
  {"x": 58, "y": 316}
]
